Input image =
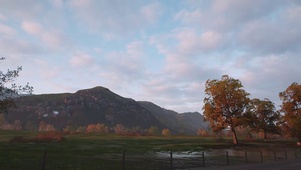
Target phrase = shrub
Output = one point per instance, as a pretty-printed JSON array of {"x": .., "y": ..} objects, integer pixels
[{"x": 166, "y": 132}]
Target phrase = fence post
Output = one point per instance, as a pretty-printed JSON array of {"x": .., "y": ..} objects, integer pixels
[
  {"x": 285, "y": 154},
  {"x": 203, "y": 155},
  {"x": 275, "y": 155},
  {"x": 227, "y": 156},
  {"x": 261, "y": 156},
  {"x": 123, "y": 160},
  {"x": 170, "y": 160},
  {"x": 43, "y": 164},
  {"x": 246, "y": 157}
]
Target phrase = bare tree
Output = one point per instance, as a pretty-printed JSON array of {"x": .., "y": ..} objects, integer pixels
[{"x": 9, "y": 90}]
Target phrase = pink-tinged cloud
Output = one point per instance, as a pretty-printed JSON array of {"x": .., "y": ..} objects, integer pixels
[
  {"x": 190, "y": 42},
  {"x": 50, "y": 73},
  {"x": 119, "y": 18},
  {"x": 189, "y": 17},
  {"x": 11, "y": 47},
  {"x": 2, "y": 17},
  {"x": 31, "y": 27},
  {"x": 52, "y": 38},
  {"x": 294, "y": 13},
  {"x": 81, "y": 60},
  {"x": 22, "y": 9},
  {"x": 128, "y": 62},
  {"x": 210, "y": 40},
  {"x": 135, "y": 50},
  {"x": 151, "y": 12},
  {"x": 58, "y": 4}
]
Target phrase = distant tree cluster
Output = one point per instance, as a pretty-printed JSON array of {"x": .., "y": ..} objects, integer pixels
[
  {"x": 16, "y": 125},
  {"x": 98, "y": 128},
  {"x": 228, "y": 106}
]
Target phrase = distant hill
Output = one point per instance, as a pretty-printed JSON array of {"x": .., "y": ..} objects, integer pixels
[
  {"x": 90, "y": 106},
  {"x": 185, "y": 123},
  {"x": 193, "y": 121},
  {"x": 100, "y": 105}
]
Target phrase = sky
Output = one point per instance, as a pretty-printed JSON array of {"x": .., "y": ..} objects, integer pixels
[{"x": 158, "y": 51}]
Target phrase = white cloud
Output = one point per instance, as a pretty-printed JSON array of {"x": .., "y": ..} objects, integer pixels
[
  {"x": 118, "y": 18},
  {"x": 248, "y": 10},
  {"x": 135, "y": 50},
  {"x": 24, "y": 9},
  {"x": 269, "y": 37},
  {"x": 58, "y": 4},
  {"x": 294, "y": 13},
  {"x": 7, "y": 31},
  {"x": 127, "y": 64},
  {"x": 10, "y": 46},
  {"x": 81, "y": 60}
]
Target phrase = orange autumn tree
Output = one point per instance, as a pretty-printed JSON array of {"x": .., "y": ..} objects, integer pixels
[
  {"x": 226, "y": 104},
  {"x": 291, "y": 107},
  {"x": 262, "y": 116}
]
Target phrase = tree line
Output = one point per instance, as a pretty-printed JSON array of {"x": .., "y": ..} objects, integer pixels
[
  {"x": 99, "y": 128},
  {"x": 228, "y": 105}
]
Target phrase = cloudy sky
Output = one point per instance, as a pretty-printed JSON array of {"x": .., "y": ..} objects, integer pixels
[{"x": 159, "y": 51}]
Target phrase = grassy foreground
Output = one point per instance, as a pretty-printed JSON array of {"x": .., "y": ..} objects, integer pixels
[{"x": 87, "y": 151}]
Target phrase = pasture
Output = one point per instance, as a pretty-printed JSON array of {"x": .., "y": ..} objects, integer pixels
[{"x": 108, "y": 151}]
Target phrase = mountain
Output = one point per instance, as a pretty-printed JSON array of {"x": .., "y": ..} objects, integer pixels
[
  {"x": 185, "y": 123},
  {"x": 89, "y": 106},
  {"x": 193, "y": 121},
  {"x": 100, "y": 105}
]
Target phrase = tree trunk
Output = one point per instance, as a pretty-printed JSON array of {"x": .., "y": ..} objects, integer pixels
[
  {"x": 235, "y": 141},
  {"x": 265, "y": 135}
]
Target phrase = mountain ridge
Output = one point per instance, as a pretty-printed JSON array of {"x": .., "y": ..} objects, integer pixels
[{"x": 91, "y": 106}]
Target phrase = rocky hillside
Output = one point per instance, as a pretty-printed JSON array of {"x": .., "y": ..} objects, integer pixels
[
  {"x": 100, "y": 105},
  {"x": 90, "y": 106}
]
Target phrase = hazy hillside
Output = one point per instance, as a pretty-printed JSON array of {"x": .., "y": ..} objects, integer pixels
[
  {"x": 166, "y": 117},
  {"x": 185, "y": 123},
  {"x": 193, "y": 121},
  {"x": 96, "y": 105}
]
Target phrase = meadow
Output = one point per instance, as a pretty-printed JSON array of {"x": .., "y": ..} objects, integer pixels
[{"x": 110, "y": 151}]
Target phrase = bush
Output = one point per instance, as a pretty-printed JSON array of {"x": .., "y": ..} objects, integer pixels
[{"x": 166, "y": 132}]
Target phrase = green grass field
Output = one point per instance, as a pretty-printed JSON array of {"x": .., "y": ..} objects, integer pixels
[{"x": 105, "y": 151}]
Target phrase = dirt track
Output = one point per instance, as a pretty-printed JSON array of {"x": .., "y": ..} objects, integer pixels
[{"x": 279, "y": 165}]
